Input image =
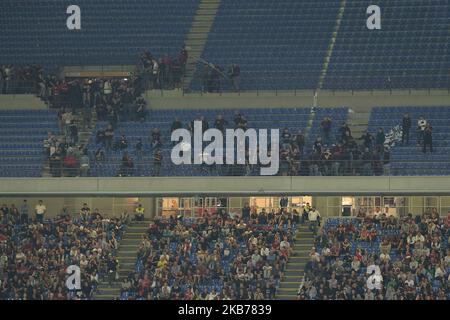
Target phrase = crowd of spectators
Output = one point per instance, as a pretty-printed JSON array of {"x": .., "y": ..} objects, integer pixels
[
  {"x": 331, "y": 153},
  {"x": 217, "y": 256},
  {"x": 35, "y": 251},
  {"x": 164, "y": 73},
  {"x": 112, "y": 100},
  {"x": 20, "y": 79},
  {"x": 334, "y": 154},
  {"x": 411, "y": 254}
]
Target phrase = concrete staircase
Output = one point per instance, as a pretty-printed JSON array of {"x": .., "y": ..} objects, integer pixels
[
  {"x": 358, "y": 121},
  {"x": 198, "y": 35},
  {"x": 127, "y": 255},
  {"x": 294, "y": 274},
  {"x": 331, "y": 44}
]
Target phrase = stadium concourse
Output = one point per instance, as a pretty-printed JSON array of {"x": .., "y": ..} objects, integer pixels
[{"x": 90, "y": 103}]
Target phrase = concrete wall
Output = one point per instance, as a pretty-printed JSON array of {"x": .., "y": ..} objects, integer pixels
[
  {"x": 165, "y": 186},
  {"x": 270, "y": 99},
  {"x": 20, "y": 101}
]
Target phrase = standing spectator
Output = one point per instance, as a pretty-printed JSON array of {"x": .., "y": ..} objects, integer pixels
[
  {"x": 24, "y": 212},
  {"x": 157, "y": 161},
  {"x": 183, "y": 58},
  {"x": 40, "y": 211},
  {"x": 139, "y": 149},
  {"x": 85, "y": 212},
  {"x": 156, "y": 139},
  {"x": 84, "y": 165},
  {"x": 380, "y": 138},
  {"x": 325, "y": 126},
  {"x": 139, "y": 213},
  {"x": 314, "y": 219},
  {"x": 406, "y": 126},
  {"x": 73, "y": 129},
  {"x": 428, "y": 138},
  {"x": 234, "y": 72},
  {"x": 87, "y": 115},
  {"x": 421, "y": 125},
  {"x": 176, "y": 124},
  {"x": 108, "y": 137},
  {"x": 284, "y": 201},
  {"x": 127, "y": 165},
  {"x": 220, "y": 123},
  {"x": 67, "y": 118},
  {"x": 246, "y": 212},
  {"x": 367, "y": 140},
  {"x": 4, "y": 210},
  {"x": 345, "y": 131}
]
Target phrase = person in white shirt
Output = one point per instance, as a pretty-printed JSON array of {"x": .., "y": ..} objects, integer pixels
[
  {"x": 313, "y": 218},
  {"x": 40, "y": 211},
  {"x": 419, "y": 238},
  {"x": 264, "y": 251},
  {"x": 267, "y": 271}
]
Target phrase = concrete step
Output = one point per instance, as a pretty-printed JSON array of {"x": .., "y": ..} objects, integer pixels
[
  {"x": 301, "y": 252},
  {"x": 127, "y": 265},
  {"x": 293, "y": 272},
  {"x": 126, "y": 259},
  {"x": 202, "y": 23},
  {"x": 302, "y": 245},
  {"x": 130, "y": 242},
  {"x": 293, "y": 278},
  {"x": 304, "y": 241},
  {"x": 202, "y": 36},
  {"x": 298, "y": 259},
  {"x": 286, "y": 296},
  {"x": 133, "y": 235},
  {"x": 305, "y": 235},
  {"x": 290, "y": 284},
  {"x": 127, "y": 253},
  {"x": 109, "y": 289},
  {"x": 282, "y": 291},
  {"x": 204, "y": 17}
]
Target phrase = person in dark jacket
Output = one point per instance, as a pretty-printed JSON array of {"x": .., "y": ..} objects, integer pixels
[
  {"x": 406, "y": 126},
  {"x": 428, "y": 139},
  {"x": 380, "y": 138}
]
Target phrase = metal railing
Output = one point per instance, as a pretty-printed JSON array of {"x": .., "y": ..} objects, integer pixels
[
  {"x": 23, "y": 166},
  {"x": 164, "y": 84}
]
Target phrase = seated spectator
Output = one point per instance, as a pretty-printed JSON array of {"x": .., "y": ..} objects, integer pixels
[
  {"x": 176, "y": 124},
  {"x": 122, "y": 144}
]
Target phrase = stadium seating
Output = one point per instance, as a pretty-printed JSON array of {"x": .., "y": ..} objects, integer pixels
[
  {"x": 408, "y": 159},
  {"x": 112, "y": 32},
  {"x": 215, "y": 279},
  {"x": 278, "y": 45},
  {"x": 410, "y": 50},
  {"x": 335, "y": 230},
  {"x": 283, "y": 45},
  {"x": 277, "y": 118},
  {"x": 22, "y": 133}
]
